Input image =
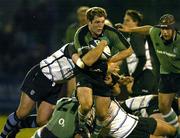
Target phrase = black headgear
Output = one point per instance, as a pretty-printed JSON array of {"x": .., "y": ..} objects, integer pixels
[{"x": 166, "y": 21}]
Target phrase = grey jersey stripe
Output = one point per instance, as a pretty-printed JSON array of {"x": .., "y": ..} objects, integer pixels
[
  {"x": 120, "y": 124},
  {"x": 59, "y": 66},
  {"x": 72, "y": 66},
  {"x": 52, "y": 79},
  {"x": 131, "y": 104},
  {"x": 130, "y": 128},
  {"x": 48, "y": 64},
  {"x": 125, "y": 118},
  {"x": 112, "y": 118},
  {"x": 141, "y": 102}
]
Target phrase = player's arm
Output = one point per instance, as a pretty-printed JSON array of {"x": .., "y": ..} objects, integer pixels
[
  {"x": 93, "y": 55},
  {"x": 122, "y": 46},
  {"x": 142, "y": 29},
  {"x": 121, "y": 55},
  {"x": 89, "y": 58}
]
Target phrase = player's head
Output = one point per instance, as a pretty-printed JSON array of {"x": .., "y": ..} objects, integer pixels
[
  {"x": 96, "y": 17},
  {"x": 133, "y": 18},
  {"x": 167, "y": 26},
  {"x": 81, "y": 15},
  {"x": 166, "y": 21}
]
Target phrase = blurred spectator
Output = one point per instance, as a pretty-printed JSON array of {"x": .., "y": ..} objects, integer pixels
[
  {"x": 81, "y": 20},
  {"x": 43, "y": 22}
]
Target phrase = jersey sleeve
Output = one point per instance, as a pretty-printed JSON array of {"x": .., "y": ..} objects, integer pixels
[
  {"x": 118, "y": 42},
  {"x": 71, "y": 49},
  {"x": 79, "y": 41}
]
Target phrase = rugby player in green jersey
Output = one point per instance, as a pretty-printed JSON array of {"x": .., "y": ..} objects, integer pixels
[
  {"x": 91, "y": 83},
  {"x": 166, "y": 41}
]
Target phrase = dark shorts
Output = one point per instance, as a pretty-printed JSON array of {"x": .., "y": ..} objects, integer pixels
[
  {"x": 170, "y": 83},
  {"x": 39, "y": 88},
  {"x": 45, "y": 133},
  {"x": 144, "y": 128},
  {"x": 94, "y": 81},
  {"x": 144, "y": 84}
]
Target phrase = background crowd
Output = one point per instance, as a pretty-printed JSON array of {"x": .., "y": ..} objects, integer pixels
[{"x": 30, "y": 30}]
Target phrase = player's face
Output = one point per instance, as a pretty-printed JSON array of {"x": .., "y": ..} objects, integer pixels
[
  {"x": 96, "y": 26},
  {"x": 167, "y": 33},
  {"x": 128, "y": 21}
]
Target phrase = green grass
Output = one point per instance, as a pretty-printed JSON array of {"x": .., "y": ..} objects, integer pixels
[{"x": 24, "y": 133}]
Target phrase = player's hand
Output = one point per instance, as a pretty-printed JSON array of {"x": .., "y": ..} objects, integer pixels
[
  {"x": 125, "y": 80},
  {"x": 113, "y": 67},
  {"x": 103, "y": 42},
  {"x": 122, "y": 28},
  {"x": 108, "y": 79}
]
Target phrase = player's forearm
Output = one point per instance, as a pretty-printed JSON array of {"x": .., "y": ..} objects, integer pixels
[
  {"x": 121, "y": 55},
  {"x": 142, "y": 29},
  {"x": 93, "y": 55}
]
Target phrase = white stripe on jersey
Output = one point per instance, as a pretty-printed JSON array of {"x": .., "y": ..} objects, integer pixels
[
  {"x": 148, "y": 64},
  {"x": 139, "y": 103},
  {"x": 122, "y": 123},
  {"x": 57, "y": 67}
]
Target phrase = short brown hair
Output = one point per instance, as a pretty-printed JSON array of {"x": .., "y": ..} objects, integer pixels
[
  {"x": 135, "y": 15},
  {"x": 96, "y": 11}
]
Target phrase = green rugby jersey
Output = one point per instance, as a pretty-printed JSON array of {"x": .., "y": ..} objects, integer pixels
[
  {"x": 168, "y": 55},
  {"x": 63, "y": 121},
  {"x": 84, "y": 41},
  {"x": 70, "y": 32}
]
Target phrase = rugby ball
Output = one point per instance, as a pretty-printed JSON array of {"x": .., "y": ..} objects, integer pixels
[{"x": 106, "y": 53}]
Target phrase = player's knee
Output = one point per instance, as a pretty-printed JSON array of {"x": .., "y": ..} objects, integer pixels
[
  {"x": 86, "y": 107},
  {"x": 41, "y": 121},
  {"x": 21, "y": 114}
]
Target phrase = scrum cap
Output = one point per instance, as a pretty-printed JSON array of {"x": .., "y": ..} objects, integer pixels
[{"x": 166, "y": 21}]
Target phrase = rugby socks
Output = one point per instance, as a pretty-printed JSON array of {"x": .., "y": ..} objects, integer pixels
[
  {"x": 82, "y": 119},
  {"x": 29, "y": 122},
  {"x": 11, "y": 123},
  {"x": 82, "y": 125},
  {"x": 98, "y": 127},
  {"x": 171, "y": 118}
]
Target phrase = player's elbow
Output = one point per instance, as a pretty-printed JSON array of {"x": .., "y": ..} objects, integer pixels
[{"x": 129, "y": 51}]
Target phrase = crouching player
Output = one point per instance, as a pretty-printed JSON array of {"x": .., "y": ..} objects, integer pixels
[{"x": 121, "y": 125}]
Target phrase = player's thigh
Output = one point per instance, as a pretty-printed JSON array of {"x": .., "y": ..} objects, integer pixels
[
  {"x": 44, "y": 112},
  {"x": 84, "y": 95},
  {"x": 25, "y": 106},
  {"x": 71, "y": 86}
]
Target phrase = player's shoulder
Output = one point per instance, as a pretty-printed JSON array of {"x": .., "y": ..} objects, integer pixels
[
  {"x": 83, "y": 29},
  {"x": 112, "y": 32},
  {"x": 154, "y": 30},
  {"x": 110, "y": 29}
]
